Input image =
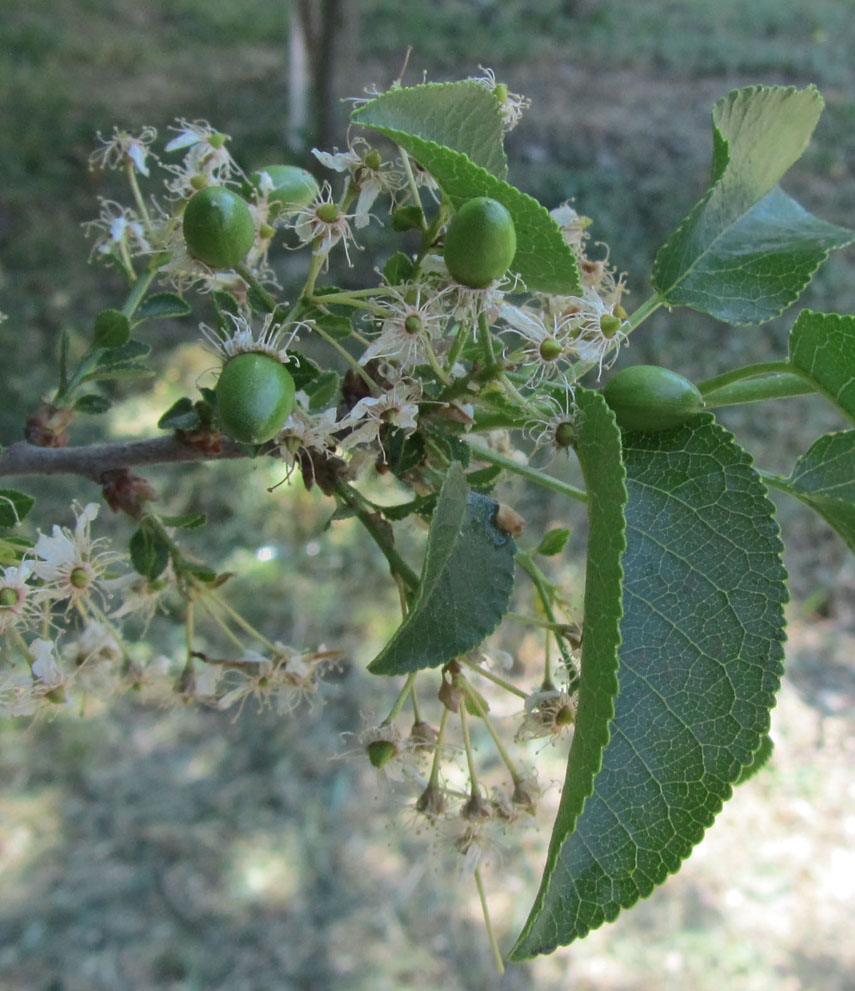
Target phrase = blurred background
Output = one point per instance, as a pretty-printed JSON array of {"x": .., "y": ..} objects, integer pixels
[{"x": 185, "y": 849}]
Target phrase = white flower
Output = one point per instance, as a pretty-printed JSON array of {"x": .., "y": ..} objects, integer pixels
[
  {"x": 546, "y": 349},
  {"x": 123, "y": 148},
  {"x": 323, "y": 225},
  {"x": 408, "y": 326},
  {"x": 207, "y": 156},
  {"x": 573, "y": 226},
  {"x": 551, "y": 712},
  {"x": 369, "y": 174},
  {"x": 72, "y": 565},
  {"x": 305, "y": 429},
  {"x": 511, "y": 105},
  {"x": 17, "y": 603},
  {"x": 118, "y": 229},
  {"x": 243, "y": 338},
  {"x": 398, "y": 406},
  {"x": 45, "y": 667}
]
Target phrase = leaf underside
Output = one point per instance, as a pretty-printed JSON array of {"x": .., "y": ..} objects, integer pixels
[
  {"x": 464, "y": 116},
  {"x": 824, "y": 479},
  {"x": 544, "y": 261},
  {"x": 465, "y": 587},
  {"x": 599, "y": 450},
  {"x": 747, "y": 250},
  {"x": 700, "y": 662},
  {"x": 822, "y": 346}
]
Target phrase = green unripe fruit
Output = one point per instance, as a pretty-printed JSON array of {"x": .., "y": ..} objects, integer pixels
[
  {"x": 380, "y": 752},
  {"x": 480, "y": 243},
  {"x": 328, "y": 213},
  {"x": 373, "y": 160},
  {"x": 647, "y": 397},
  {"x": 255, "y": 394},
  {"x": 218, "y": 227},
  {"x": 293, "y": 187}
]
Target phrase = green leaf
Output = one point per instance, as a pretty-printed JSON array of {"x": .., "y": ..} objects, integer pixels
[
  {"x": 324, "y": 387},
  {"x": 700, "y": 662},
  {"x": 822, "y": 347},
  {"x": 120, "y": 370},
  {"x": 130, "y": 351},
  {"x": 403, "y": 450},
  {"x": 161, "y": 306},
  {"x": 747, "y": 250},
  {"x": 553, "y": 542},
  {"x": 465, "y": 587},
  {"x": 824, "y": 478},
  {"x": 92, "y": 403},
  {"x": 761, "y": 759},
  {"x": 398, "y": 269},
  {"x": 181, "y": 415},
  {"x": 14, "y": 506},
  {"x": 303, "y": 370},
  {"x": 599, "y": 452},
  {"x": 188, "y": 521},
  {"x": 149, "y": 552},
  {"x": 464, "y": 116},
  {"x": 544, "y": 261},
  {"x": 112, "y": 329}
]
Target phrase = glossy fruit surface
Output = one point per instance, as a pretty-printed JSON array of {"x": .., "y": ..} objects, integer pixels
[
  {"x": 218, "y": 227},
  {"x": 293, "y": 187},
  {"x": 647, "y": 397},
  {"x": 480, "y": 243},
  {"x": 255, "y": 394}
]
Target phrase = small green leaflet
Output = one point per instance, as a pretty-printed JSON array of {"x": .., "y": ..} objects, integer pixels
[
  {"x": 599, "y": 452},
  {"x": 822, "y": 348},
  {"x": 544, "y": 261},
  {"x": 464, "y": 116},
  {"x": 700, "y": 662},
  {"x": 112, "y": 329},
  {"x": 149, "y": 552},
  {"x": 465, "y": 587},
  {"x": 161, "y": 306},
  {"x": 824, "y": 478},
  {"x": 14, "y": 506},
  {"x": 747, "y": 250}
]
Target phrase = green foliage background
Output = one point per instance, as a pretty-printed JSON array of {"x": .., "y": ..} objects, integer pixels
[{"x": 189, "y": 805}]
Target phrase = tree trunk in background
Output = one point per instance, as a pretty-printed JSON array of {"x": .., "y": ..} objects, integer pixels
[{"x": 323, "y": 45}]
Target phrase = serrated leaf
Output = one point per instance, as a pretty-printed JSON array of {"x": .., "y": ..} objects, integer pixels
[
  {"x": 599, "y": 452},
  {"x": 464, "y": 116},
  {"x": 761, "y": 759},
  {"x": 824, "y": 478},
  {"x": 553, "y": 542},
  {"x": 403, "y": 450},
  {"x": 112, "y": 329},
  {"x": 303, "y": 370},
  {"x": 120, "y": 370},
  {"x": 14, "y": 506},
  {"x": 822, "y": 347},
  {"x": 483, "y": 479},
  {"x": 131, "y": 350},
  {"x": 700, "y": 662},
  {"x": 544, "y": 260},
  {"x": 465, "y": 587},
  {"x": 747, "y": 250},
  {"x": 92, "y": 403},
  {"x": 188, "y": 521},
  {"x": 181, "y": 415},
  {"x": 161, "y": 306},
  {"x": 149, "y": 552}
]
